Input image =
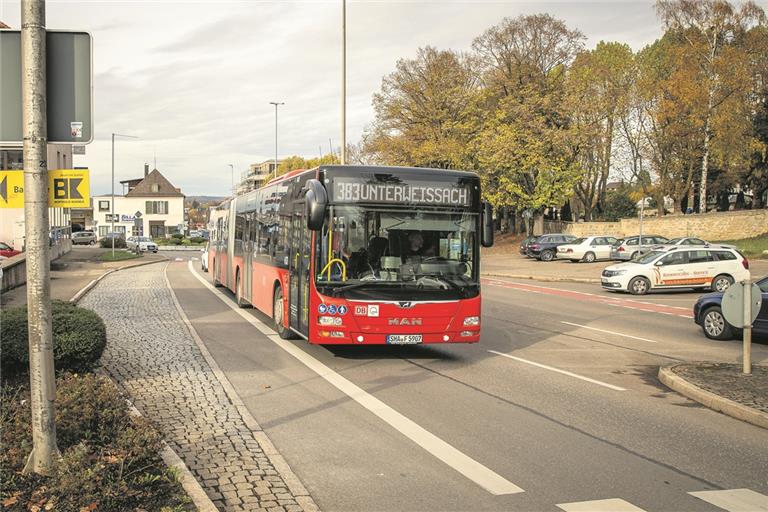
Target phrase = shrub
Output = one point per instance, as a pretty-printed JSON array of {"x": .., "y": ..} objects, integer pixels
[
  {"x": 619, "y": 205},
  {"x": 108, "y": 459},
  {"x": 106, "y": 243},
  {"x": 197, "y": 240},
  {"x": 79, "y": 338},
  {"x": 177, "y": 235},
  {"x": 175, "y": 241}
]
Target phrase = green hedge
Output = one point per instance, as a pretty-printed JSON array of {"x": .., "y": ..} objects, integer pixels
[
  {"x": 106, "y": 243},
  {"x": 79, "y": 338}
]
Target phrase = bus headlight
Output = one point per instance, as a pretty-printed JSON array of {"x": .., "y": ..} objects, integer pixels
[
  {"x": 329, "y": 320},
  {"x": 472, "y": 320}
]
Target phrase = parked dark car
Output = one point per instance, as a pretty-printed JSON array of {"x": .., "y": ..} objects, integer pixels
[
  {"x": 525, "y": 243},
  {"x": 545, "y": 247},
  {"x": 708, "y": 314}
]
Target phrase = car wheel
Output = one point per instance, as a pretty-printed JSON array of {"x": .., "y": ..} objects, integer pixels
[
  {"x": 634, "y": 255},
  {"x": 92, "y": 242},
  {"x": 589, "y": 257},
  {"x": 547, "y": 256},
  {"x": 639, "y": 286},
  {"x": 715, "y": 326},
  {"x": 721, "y": 283},
  {"x": 277, "y": 315}
]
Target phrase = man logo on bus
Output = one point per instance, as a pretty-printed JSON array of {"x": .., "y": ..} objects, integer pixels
[
  {"x": 361, "y": 310},
  {"x": 322, "y": 309},
  {"x": 342, "y": 310}
]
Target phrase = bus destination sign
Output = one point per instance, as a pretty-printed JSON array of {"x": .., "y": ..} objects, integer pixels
[{"x": 414, "y": 192}]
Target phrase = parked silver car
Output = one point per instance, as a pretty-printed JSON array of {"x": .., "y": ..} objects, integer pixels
[
  {"x": 141, "y": 243},
  {"x": 632, "y": 247},
  {"x": 84, "y": 238}
]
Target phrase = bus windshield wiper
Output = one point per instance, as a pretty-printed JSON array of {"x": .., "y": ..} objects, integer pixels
[
  {"x": 362, "y": 284},
  {"x": 441, "y": 278}
]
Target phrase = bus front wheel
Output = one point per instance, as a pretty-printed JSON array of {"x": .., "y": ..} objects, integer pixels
[{"x": 278, "y": 313}]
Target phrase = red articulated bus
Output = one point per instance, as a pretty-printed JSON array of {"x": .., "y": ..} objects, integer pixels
[{"x": 358, "y": 255}]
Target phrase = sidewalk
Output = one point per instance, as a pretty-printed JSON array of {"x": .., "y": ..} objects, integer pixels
[
  {"x": 517, "y": 266},
  {"x": 71, "y": 272}
]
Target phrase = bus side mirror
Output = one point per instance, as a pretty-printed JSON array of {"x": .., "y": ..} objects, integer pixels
[
  {"x": 316, "y": 200},
  {"x": 487, "y": 220}
]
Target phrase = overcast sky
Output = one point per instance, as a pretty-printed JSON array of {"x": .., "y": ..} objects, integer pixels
[{"x": 194, "y": 79}]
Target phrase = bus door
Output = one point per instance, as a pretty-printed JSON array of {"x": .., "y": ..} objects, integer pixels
[
  {"x": 248, "y": 248},
  {"x": 300, "y": 242}
]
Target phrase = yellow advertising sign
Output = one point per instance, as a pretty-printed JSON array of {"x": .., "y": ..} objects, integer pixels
[
  {"x": 11, "y": 189},
  {"x": 67, "y": 188}
]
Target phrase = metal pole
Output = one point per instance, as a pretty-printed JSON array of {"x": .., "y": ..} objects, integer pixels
[
  {"x": 276, "y": 103},
  {"x": 642, "y": 213},
  {"x": 747, "y": 331},
  {"x": 113, "y": 197},
  {"x": 42, "y": 379},
  {"x": 232, "y": 168},
  {"x": 343, "y": 82}
]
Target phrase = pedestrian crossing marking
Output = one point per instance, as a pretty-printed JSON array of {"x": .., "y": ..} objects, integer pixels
[
  {"x": 735, "y": 500},
  {"x": 610, "y": 505}
]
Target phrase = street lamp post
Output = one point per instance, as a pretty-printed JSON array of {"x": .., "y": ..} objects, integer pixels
[
  {"x": 344, "y": 82},
  {"x": 232, "y": 168},
  {"x": 113, "y": 186},
  {"x": 276, "y": 104}
]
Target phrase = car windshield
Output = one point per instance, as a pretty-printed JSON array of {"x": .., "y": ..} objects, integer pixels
[
  {"x": 649, "y": 257},
  {"x": 577, "y": 241},
  {"x": 143, "y": 239},
  {"x": 409, "y": 250},
  {"x": 674, "y": 241}
]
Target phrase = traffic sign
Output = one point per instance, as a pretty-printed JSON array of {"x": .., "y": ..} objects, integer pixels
[
  {"x": 11, "y": 189},
  {"x": 67, "y": 188},
  {"x": 733, "y": 304},
  {"x": 69, "y": 95}
]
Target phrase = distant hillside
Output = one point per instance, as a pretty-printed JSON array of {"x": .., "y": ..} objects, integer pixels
[{"x": 202, "y": 200}]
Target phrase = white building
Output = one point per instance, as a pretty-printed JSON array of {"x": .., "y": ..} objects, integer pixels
[
  {"x": 256, "y": 176},
  {"x": 152, "y": 206}
]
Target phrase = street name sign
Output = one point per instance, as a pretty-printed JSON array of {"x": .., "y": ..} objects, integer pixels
[
  {"x": 69, "y": 93},
  {"x": 67, "y": 188},
  {"x": 733, "y": 304}
]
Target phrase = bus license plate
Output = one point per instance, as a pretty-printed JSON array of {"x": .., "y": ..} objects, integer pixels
[{"x": 403, "y": 339}]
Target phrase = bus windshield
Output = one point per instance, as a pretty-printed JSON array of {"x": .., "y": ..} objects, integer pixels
[{"x": 371, "y": 248}]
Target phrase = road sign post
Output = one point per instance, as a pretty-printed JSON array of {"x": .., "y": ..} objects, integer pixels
[
  {"x": 741, "y": 303},
  {"x": 35, "y": 136}
]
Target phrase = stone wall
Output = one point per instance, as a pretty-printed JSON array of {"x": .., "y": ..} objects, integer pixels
[
  {"x": 14, "y": 269},
  {"x": 711, "y": 226}
]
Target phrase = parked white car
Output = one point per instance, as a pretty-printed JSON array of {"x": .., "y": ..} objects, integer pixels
[
  {"x": 144, "y": 244},
  {"x": 204, "y": 258},
  {"x": 713, "y": 268},
  {"x": 589, "y": 249}
]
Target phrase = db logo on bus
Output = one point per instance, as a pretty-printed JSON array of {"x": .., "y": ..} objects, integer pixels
[{"x": 371, "y": 310}]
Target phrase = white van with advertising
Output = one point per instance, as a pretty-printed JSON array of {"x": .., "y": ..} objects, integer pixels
[{"x": 714, "y": 268}]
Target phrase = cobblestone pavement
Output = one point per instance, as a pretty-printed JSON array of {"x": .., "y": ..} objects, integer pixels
[
  {"x": 728, "y": 381},
  {"x": 153, "y": 357}
]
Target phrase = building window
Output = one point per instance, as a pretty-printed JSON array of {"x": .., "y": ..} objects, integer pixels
[
  {"x": 155, "y": 187},
  {"x": 108, "y": 217},
  {"x": 103, "y": 206},
  {"x": 157, "y": 207},
  {"x": 103, "y": 230}
]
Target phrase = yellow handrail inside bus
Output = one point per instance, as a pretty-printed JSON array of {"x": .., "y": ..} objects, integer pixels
[{"x": 328, "y": 268}]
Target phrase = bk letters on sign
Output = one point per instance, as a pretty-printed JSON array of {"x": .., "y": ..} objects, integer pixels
[{"x": 69, "y": 188}]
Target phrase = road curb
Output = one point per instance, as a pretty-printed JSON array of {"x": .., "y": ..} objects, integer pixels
[
  {"x": 85, "y": 289},
  {"x": 297, "y": 489},
  {"x": 715, "y": 402},
  {"x": 188, "y": 482},
  {"x": 549, "y": 279}
]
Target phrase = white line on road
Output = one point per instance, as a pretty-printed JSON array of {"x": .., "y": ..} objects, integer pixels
[
  {"x": 611, "y": 505},
  {"x": 465, "y": 465},
  {"x": 735, "y": 500},
  {"x": 558, "y": 370},
  {"x": 608, "y": 332}
]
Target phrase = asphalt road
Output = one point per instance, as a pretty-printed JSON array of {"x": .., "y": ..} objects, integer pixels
[{"x": 558, "y": 403}]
